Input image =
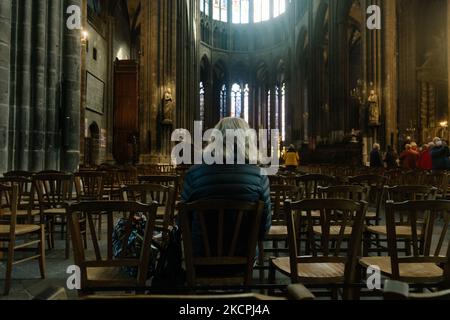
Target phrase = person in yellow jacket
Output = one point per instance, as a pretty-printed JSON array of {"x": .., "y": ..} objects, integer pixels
[{"x": 291, "y": 159}]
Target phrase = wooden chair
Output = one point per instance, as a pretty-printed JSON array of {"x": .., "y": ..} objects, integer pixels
[
  {"x": 379, "y": 232},
  {"x": 375, "y": 184},
  {"x": 54, "y": 192},
  {"x": 18, "y": 174},
  {"x": 163, "y": 196},
  {"x": 164, "y": 180},
  {"x": 19, "y": 237},
  {"x": 89, "y": 186},
  {"x": 311, "y": 183},
  {"x": 97, "y": 272},
  {"x": 396, "y": 290},
  {"x": 278, "y": 232},
  {"x": 355, "y": 193},
  {"x": 332, "y": 265},
  {"x": 430, "y": 258},
  {"x": 228, "y": 232},
  {"x": 28, "y": 205}
]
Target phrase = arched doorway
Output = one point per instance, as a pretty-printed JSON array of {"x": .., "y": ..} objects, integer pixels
[{"x": 92, "y": 146}]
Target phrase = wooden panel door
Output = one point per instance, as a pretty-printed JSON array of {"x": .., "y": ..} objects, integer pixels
[{"x": 126, "y": 112}]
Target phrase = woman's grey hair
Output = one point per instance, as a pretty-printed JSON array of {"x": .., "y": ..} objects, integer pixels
[{"x": 239, "y": 130}]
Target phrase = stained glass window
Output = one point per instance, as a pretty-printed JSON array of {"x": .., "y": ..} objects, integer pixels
[
  {"x": 236, "y": 101},
  {"x": 202, "y": 102},
  {"x": 246, "y": 103},
  {"x": 223, "y": 102}
]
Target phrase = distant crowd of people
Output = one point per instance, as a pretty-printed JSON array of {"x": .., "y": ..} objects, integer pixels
[{"x": 431, "y": 156}]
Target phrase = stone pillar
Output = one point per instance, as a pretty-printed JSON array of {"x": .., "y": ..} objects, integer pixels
[
  {"x": 23, "y": 90},
  {"x": 71, "y": 92},
  {"x": 390, "y": 76},
  {"x": 448, "y": 55},
  {"x": 38, "y": 98},
  {"x": 53, "y": 83},
  {"x": 5, "y": 45}
]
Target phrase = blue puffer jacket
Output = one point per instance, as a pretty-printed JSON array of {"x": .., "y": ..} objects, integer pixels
[
  {"x": 440, "y": 157},
  {"x": 234, "y": 182}
]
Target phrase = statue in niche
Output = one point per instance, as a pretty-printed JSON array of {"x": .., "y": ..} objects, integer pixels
[
  {"x": 374, "y": 109},
  {"x": 168, "y": 108}
]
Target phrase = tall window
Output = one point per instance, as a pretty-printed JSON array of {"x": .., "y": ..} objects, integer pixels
[
  {"x": 283, "y": 112},
  {"x": 223, "y": 102},
  {"x": 261, "y": 10},
  {"x": 241, "y": 11},
  {"x": 277, "y": 108},
  {"x": 202, "y": 102},
  {"x": 269, "y": 111},
  {"x": 246, "y": 103},
  {"x": 220, "y": 10},
  {"x": 236, "y": 101},
  {"x": 279, "y": 7},
  {"x": 204, "y": 6}
]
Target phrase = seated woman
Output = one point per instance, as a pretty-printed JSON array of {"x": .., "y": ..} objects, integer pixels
[{"x": 236, "y": 182}]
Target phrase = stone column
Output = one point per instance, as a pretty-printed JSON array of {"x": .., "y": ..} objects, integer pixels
[
  {"x": 5, "y": 45},
  {"x": 71, "y": 103},
  {"x": 38, "y": 98},
  {"x": 23, "y": 89},
  {"x": 53, "y": 83},
  {"x": 390, "y": 70},
  {"x": 448, "y": 54}
]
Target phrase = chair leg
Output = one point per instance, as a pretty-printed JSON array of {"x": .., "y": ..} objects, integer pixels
[
  {"x": 41, "y": 249},
  {"x": 68, "y": 238},
  {"x": 9, "y": 266},
  {"x": 261, "y": 259},
  {"x": 99, "y": 227},
  {"x": 272, "y": 277}
]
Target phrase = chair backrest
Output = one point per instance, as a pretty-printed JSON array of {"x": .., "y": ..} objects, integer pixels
[
  {"x": 129, "y": 210},
  {"x": 310, "y": 184},
  {"x": 411, "y": 193},
  {"x": 89, "y": 185},
  {"x": 165, "y": 180},
  {"x": 279, "y": 194},
  {"x": 153, "y": 193},
  {"x": 53, "y": 189},
  {"x": 26, "y": 190},
  {"x": 439, "y": 180},
  {"x": 228, "y": 233},
  {"x": 353, "y": 192},
  {"x": 18, "y": 174},
  {"x": 430, "y": 235},
  {"x": 128, "y": 175},
  {"x": 376, "y": 184},
  {"x": 9, "y": 196},
  {"x": 336, "y": 214}
]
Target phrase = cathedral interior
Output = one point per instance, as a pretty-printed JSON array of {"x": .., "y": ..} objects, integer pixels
[
  {"x": 307, "y": 68},
  {"x": 334, "y": 77}
]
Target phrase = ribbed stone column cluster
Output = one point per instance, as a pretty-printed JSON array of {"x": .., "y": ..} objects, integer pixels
[
  {"x": 5, "y": 45},
  {"x": 39, "y": 86}
]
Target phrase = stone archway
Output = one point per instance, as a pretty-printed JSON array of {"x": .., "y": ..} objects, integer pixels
[{"x": 92, "y": 146}]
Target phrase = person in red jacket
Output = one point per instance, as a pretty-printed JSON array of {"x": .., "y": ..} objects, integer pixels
[
  {"x": 425, "y": 162},
  {"x": 408, "y": 158}
]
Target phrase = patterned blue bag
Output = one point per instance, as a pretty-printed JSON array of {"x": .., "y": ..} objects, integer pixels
[{"x": 133, "y": 245}]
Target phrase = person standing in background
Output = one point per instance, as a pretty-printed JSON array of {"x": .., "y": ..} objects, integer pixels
[
  {"x": 291, "y": 159},
  {"x": 375, "y": 157},
  {"x": 425, "y": 162},
  {"x": 391, "y": 158}
]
